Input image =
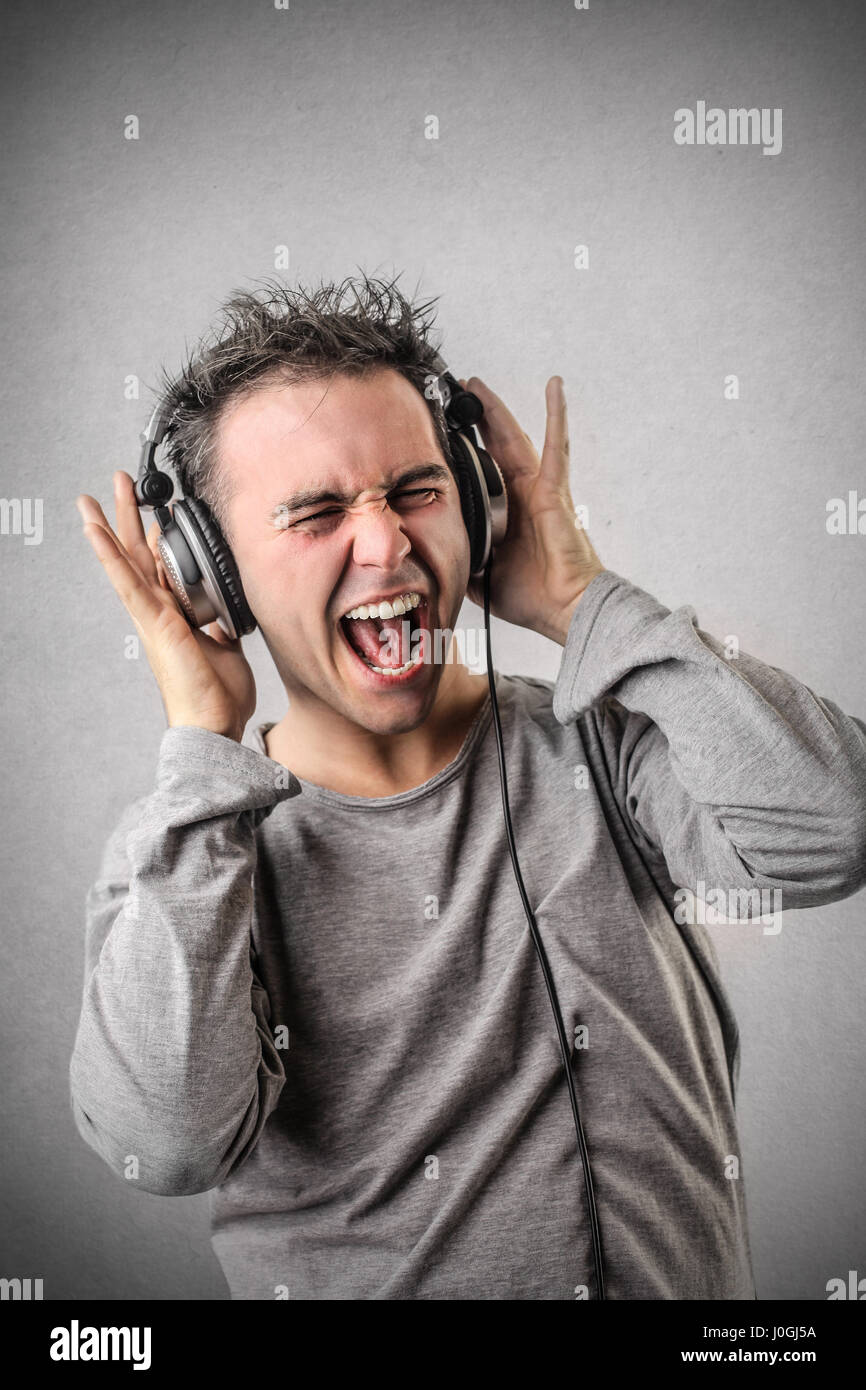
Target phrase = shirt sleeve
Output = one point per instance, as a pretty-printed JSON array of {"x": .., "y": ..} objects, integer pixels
[
  {"x": 174, "y": 1069},
  {"x": 737, "y": 774}
]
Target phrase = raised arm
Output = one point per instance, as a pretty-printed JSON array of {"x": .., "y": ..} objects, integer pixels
[
  {"x": 735, "y": 771},
  {"x": 174, "y": 1070}
]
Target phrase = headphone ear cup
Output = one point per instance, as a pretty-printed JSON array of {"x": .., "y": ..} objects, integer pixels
[
  {"x": 182, "y": 572},
  {"x": 222, "y": 569},
  {"x": 471, "y": 499}
]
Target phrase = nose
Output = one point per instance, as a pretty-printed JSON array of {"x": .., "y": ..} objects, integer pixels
[{"x": 377, "y": 536}]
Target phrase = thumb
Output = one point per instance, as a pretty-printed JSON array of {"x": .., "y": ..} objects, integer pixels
[{"x": 555, "y": 453}]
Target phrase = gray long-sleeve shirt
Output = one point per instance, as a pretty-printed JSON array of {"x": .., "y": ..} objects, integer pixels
[{"x": 328, "y": 1010}]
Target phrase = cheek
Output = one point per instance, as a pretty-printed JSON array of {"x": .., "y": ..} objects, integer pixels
[
  {"x": 276, "y": 587},
  {"x": 459, "y": 563},
  {"x": 444, "y": 547}
]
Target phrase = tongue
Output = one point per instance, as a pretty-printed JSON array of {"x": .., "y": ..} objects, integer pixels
[{"x": 381, "y": 650}]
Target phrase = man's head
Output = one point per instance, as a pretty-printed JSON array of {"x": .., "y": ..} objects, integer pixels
[{"x": 304, "y": 425}]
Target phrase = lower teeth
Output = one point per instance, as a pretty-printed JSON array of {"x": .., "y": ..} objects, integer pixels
[{"x": 393, "y": 670}]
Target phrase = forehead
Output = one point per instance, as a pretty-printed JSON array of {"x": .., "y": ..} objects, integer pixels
[{"x": 331, "y": 430}]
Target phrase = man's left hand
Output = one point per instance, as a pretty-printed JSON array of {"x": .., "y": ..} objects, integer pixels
[{"x": 546, "y": 560}]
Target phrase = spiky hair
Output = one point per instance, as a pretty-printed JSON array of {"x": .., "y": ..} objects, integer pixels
[{"x": 285, "y": 333}]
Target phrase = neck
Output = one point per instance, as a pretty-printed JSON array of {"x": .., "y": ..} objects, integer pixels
[{"x": 322, "y": 746}]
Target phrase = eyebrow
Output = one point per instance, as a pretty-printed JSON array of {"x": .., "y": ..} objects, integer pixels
[{"x": 313, "y": 497}]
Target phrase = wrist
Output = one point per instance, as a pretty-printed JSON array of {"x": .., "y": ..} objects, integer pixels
[
  {"x": 231, "y": 731},
  {"x": 556, "y": 626}
]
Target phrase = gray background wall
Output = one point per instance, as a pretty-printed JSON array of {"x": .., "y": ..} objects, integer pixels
[{"x": 305, "y": 127}]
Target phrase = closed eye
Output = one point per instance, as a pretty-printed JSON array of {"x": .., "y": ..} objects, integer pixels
[{"x": 428, "y": 493}]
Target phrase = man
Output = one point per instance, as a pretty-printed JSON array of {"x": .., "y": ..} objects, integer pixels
[{"x": 310, "y": 987}]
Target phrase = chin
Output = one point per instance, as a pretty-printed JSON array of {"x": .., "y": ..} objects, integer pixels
[{"x": 397, "y": 714}]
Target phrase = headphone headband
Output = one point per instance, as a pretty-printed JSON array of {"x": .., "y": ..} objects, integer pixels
[
  {"x": 153, "y": 488},
  {"x": 462, "y": 408}
]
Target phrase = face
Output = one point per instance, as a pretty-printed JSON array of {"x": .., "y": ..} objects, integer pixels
[{"x": 388, "y": 526}]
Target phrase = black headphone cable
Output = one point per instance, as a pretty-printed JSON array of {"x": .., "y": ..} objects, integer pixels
[{"x": 542, "y": 955}]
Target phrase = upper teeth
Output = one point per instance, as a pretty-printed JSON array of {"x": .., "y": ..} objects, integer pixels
[{"x": 391, "y": 609}]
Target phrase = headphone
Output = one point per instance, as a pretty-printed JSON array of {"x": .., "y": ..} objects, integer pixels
[
  {"x": 204, "y": 577},
  {"x": 199, "y": 565}
]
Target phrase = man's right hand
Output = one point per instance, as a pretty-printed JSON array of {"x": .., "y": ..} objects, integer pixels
[{"x": 203, "y": 677}]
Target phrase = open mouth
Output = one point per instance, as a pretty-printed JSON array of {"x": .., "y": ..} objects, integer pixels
[{"x": 385, "y": 636}]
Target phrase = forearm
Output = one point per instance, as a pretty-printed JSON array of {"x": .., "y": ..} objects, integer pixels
[
  {"x": 173, "y": 1062},
  {"x": 777, "y": 771}
]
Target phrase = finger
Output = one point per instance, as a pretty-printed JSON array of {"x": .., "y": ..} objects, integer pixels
[
  {"x": 555, "y": 453},
  {"x": 152, "y": 538},
  {"x": 91, "y": 512},
  {"x": 503, "y": 436},
  {"x": 129, "y": 525},
  {"x": 220, "y": 635},
  {"x": 137, "y": 596}
]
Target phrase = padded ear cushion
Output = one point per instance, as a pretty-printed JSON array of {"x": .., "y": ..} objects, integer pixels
[
  {"x": 225, "y": 571},
  {"x": 471, "y": 499}
]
